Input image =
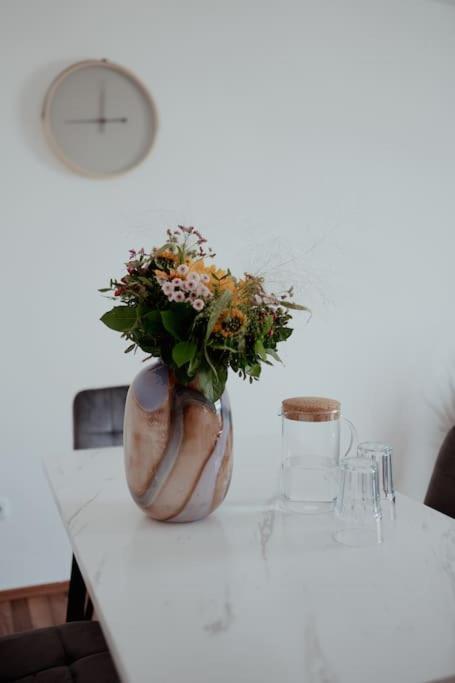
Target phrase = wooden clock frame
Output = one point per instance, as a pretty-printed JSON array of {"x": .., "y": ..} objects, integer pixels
[{"x": 47, "y": 104}]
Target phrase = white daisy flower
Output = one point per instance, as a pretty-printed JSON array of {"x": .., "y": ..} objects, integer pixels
[
  {"x": 198, "y": 304},
  {"x": 191, "y": 285},
  {"x": 168, "y": 288},
  {"x": 182, "y": 270},
  {"x": 193, "y": 277},
  {"x": 202, "y": 290}
]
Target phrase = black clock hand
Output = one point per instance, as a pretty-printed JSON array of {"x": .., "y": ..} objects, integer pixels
[{"x": 99, "y": 120}]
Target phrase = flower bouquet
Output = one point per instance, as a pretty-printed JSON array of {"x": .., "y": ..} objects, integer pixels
[{"x": 198, "y": 318}]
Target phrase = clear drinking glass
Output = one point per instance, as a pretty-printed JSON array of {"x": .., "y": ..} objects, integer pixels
[
  {"x": 381, "y": 453},
  {"x": 358, "y": 504},
  {"x": 311, "y": 453}
]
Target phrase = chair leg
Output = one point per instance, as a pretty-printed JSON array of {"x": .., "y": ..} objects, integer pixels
[
  {"x": 77, "y": 595},
  {"x": 88, "y": 609}
]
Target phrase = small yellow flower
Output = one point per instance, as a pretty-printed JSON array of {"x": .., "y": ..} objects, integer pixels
[
  {"x": 166, "y": 254},
  {"x": 199, "y": 266},
  {"x": 230, "y": 323},
  {"x": 161, "y": 275}
]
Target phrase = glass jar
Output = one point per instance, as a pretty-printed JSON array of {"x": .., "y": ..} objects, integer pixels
[{"x": 311, "y": 453}]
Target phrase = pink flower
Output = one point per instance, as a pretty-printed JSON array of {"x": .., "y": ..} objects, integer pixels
[
  {"x": 201, "y": 238},
  {"x": 168, "y": 288},
  {"x": 198, "y": 304},
  {"x": 193, "y": 277},
  {"x": 191, "y": 285},
  {"x": 177, "y": 282},
  {"x": 205, "y": 278},
  {"x": 178, "y": 296},
  {"x": 182, "y": 269},
  {"x": 203, "y": 291}
]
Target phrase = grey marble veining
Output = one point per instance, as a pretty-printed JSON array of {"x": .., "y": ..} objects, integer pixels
[
  {"x": 317, "y": 668},
  {"x": 99, "y": 570},
  {"x": 265, "y": 527},
  {"x": 82, "y": 507},
  {"x": 224, "y": 623}
]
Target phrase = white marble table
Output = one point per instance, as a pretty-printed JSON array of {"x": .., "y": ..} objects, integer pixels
[{"x": 253, "y": 595}]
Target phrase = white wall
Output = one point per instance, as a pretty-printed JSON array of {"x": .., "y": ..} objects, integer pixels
[{"x": 319, "y": 131}]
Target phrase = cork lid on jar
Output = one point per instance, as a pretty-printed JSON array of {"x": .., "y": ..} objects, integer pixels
[{"x": 311, "y": 409}]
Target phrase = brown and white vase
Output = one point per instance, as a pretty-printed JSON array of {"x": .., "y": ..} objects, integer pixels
[{"x": 178, "y": 447}]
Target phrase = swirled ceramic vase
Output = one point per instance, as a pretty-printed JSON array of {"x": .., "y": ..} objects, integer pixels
[{"x": 178, "y": 447}]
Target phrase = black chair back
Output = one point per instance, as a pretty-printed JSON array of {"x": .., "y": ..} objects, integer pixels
[
  {"x": 441, "y": 491},
  {"x": 98, "y": 417}
]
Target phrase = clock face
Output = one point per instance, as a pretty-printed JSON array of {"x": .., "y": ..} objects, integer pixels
[{"x": 99, "y": 119}]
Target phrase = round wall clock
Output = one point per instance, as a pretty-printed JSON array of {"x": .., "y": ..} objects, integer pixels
[{"x": 99, "y": 118}]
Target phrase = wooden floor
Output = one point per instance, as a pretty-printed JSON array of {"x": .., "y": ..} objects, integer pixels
[{"x": 31, "y": 611}]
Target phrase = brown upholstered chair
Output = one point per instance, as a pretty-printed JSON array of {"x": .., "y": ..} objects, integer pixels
[
  {"x": 441, "y": 491},
  {"x": 60, "y": 654},
  {"x": 74, "y": 651}
]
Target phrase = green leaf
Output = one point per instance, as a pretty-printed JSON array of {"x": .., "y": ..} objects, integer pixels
[
  {"x": 130, "y": 348},
  {"x": 194, "y": 364},
  {"x": 259, "y": 349},
  {"x": 205, "y": 378},
  {"x": 295, "y": 307},
  {"x": 212, "y": 386},
  {"x": 274, "y": 355},
  {"x": 267, "y": 325},
  {"x": 120, "y": 318},
  {"x": 218, "y": 307},
  {"x": 176, "y": 320},
  {"x": 183, "y": 352},
  {"x": 283, "y": 333},
  {"x": 254, "y": 370},
  {"x": 149, "y": 348},
  {"x": 105, "y": 289},
  {"x": 223, "y": 347},
  {"x": 151, "y": 322}
]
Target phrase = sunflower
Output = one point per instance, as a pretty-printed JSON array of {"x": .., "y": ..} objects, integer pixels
[
  {"x": 218, "y": 277},
  {"x": 230, "y": 323},
  {"x": 165, "y": 255}
]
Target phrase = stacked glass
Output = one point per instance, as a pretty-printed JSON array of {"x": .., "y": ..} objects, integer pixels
[{"x": 366, "y": 496}]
